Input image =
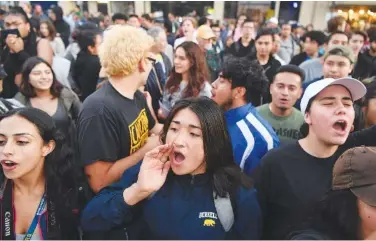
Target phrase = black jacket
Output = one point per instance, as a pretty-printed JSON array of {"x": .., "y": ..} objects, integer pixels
[
  {"x": 61, "y": 26},
  {"x": 299, "y": 58},
  {"x": 270, "y": 69},
  {"x": 365, "y": 67},
  {"x": 13, "y": 63},
  {"x": 86, "y": 73},
  {"x": 238, "y": 50}
]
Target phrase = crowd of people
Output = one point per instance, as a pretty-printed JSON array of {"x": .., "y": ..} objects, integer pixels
[{"x": 131, "y": 128}]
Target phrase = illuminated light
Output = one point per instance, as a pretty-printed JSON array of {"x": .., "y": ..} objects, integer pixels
[
  {"x": 295, "y": 5},
  {"x": 369, "y": 12},
  {"x": 361, "y": 12},
  {"x": 339, "y": 11},
  {"x": 351, "y": 11}
]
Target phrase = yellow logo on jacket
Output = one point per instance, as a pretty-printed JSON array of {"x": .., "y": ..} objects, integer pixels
[
  {"x": 209, "y": 218},
  {"x": 209, "y": 223},
  {"x": 138, "y": 131}
]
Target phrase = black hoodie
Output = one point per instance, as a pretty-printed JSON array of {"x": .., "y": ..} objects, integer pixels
[
  {"x": 61, "y": 26},
  {"x": 365, "y": 67},
  {"x": 86, "y": 73}
]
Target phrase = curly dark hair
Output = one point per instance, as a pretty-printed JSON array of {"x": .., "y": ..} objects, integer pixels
[
  {"x": 243, "y": 72},
  {"x": 198, "y": 73}
]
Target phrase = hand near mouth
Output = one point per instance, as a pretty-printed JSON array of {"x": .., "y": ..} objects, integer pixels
[{"x": 154, "y": 168}]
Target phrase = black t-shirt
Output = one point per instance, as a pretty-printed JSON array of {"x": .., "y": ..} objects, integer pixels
[
  {"x": 290, "y": 182},
  {"x": 237, "y": 49},
  {"x": 111, "y": 126}
]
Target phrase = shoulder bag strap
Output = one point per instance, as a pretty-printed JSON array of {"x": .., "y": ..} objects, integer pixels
[
  {"x": 225, "y": 211},
  {"x": 158, "y": 83}
]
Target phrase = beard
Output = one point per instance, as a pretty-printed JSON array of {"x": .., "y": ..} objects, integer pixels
[{"x": 282, "y": 109}]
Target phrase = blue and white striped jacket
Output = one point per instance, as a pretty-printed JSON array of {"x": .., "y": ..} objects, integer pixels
[{"x": 251, "y": 136}]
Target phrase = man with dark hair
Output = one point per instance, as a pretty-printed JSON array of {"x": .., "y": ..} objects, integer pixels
[
  {"x": 87, "y": 66},
  {"x": 356, "y": 42},
  {"x": 312, "y": 42},
  {"x": 218, "y": 43},
  {"x": 238, "y": 88},
  {"x": 264, "y": 45},
  {"x": 146, "y": 21},
  {"x": 314, "y": 68},
  {"x": 366, "y": 64},
  {"x": 245, "y": 45},
  {"x": 119, "y": 18},
  {"x": 291, "y": 180},
  {"x": 285, "y": 89},
  {"x": 134, "y": 21},
  {"x": 288, "y": 44}
]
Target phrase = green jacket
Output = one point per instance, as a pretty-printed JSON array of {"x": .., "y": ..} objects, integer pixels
[{"x": 70, "y": 100}]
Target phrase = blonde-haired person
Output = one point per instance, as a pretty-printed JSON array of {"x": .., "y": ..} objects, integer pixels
[
  {"x": 115, "y": 121},
  {"x": 188, "y": 26}
]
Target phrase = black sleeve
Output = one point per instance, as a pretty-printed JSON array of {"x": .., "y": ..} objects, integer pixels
[
  {"x": 231, "y": 50},
  {"x": 88, "y": 78},
  {"x": 98, "y": 137},
  {"x": 140, "y": 97},
  {"x": 295, "y": 60},
  {"x": 22, "y": 56},
  {"x": 262, "y": 181},
  {"x": 366, "y": 137}
]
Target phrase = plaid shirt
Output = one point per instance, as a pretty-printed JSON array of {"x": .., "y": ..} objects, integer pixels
[{"x": 214, "y": 63}]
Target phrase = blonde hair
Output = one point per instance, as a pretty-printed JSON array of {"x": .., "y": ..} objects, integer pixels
[
  {"x": 193, "y": 21},
  {"x": 122, "y": 49}
]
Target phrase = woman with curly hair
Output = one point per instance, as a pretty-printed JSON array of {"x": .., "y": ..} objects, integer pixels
[
  {"x": 39, "y": 192},
  {"x": 188, "y": 78}
]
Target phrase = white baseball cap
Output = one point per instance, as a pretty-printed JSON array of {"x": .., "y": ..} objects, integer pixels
[{"x": 356, "y": 88}]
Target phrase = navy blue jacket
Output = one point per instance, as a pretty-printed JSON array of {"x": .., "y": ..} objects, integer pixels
[{"x": 182, "y": 209}]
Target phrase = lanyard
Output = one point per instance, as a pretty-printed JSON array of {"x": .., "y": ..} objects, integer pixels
[
  {"x": 7, "y": 215},
  {"x": 35, "y": 221}
]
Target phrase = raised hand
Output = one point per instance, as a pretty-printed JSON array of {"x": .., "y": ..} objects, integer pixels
[{"x": 154, "y": 169}]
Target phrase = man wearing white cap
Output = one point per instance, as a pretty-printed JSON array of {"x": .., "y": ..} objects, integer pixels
[{"x": 292, "y": 179}]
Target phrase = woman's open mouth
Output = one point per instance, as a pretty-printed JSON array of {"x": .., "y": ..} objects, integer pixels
[
  {"x": 178, "y": 157},
  {"x": 8, "y": 165}
]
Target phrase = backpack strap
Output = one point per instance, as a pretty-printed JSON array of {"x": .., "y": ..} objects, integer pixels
[
  {"x": 157, "y": 80},
  {"x": 225, "y": 211}
]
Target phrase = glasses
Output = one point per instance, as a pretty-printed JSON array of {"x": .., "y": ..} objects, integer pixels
[{"x": 152, "y": 60}]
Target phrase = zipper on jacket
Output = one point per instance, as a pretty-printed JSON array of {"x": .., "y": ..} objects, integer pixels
[{"x": 192, "y": 180}]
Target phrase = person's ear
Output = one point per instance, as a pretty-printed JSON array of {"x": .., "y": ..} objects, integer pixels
[
  {"x": 351, "y": 68},
  {"x": 307, "y": 118},
  {"x": 48, "y": 148},
  {"x": 142, "y": 65},
  {"x": 240, "y": 92}
]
